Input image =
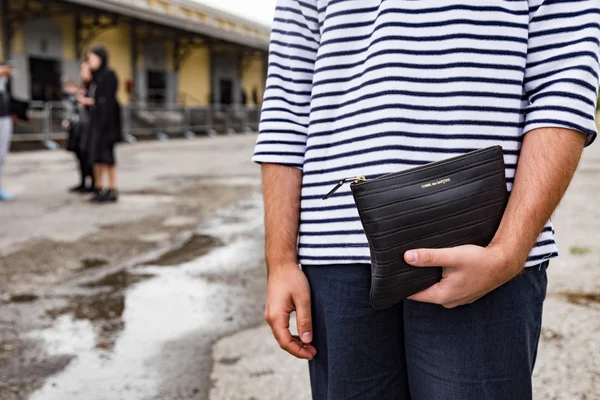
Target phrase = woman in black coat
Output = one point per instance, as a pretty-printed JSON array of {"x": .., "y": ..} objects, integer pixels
[{"x": 105, "y": 125}]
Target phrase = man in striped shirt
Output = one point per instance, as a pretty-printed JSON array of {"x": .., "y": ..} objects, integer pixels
[{"x": 368, "y": 87}]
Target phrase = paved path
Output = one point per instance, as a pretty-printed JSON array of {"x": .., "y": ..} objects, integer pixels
[
  {"x": 568, "y": 365},
  {"x": 161, "y": 295}
]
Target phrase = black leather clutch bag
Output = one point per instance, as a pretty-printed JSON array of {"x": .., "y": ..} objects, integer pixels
[{"x": 448, "y": 203}]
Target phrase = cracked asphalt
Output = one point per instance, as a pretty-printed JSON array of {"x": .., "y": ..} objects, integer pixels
[{"x": 161, "y": 295}]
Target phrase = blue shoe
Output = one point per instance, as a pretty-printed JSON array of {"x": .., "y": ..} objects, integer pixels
[{"x": 6, "y": 196}]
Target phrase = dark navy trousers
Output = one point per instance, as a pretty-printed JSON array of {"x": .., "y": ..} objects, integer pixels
[{"x": 418, "y": 351}]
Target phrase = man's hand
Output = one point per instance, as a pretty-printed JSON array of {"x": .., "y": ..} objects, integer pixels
[
  {"x": 470, "y": 272},
  {"x": 287, "y": 291},
  {"x": 6, "y": 70},
  {"x": 548, "y": 160}
]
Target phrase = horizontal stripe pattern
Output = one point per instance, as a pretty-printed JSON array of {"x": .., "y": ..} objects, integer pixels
[{"x": 370, "y": 87}]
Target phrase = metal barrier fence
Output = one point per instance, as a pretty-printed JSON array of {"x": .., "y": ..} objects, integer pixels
[{"x": 45, "y": 123}]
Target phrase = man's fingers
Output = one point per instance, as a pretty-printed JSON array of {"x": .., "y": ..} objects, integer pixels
[
  {"x": 436, "y": 294},
  {"x": 280, "y": 328},
  {"x": 432, "y": 294},
  {"x": 303, "y": 318},
  {"x": 300, "y": 350},
  {"x": 311, "y": 349},
  {"x": 432, "y": 257},
  {"x": 297, "y": 348}
]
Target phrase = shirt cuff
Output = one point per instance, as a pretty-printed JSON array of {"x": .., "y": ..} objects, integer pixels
[{"x": 553, "y": 112}]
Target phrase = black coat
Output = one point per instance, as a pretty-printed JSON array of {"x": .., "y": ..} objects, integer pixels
[{"x": 105, "y": 118}]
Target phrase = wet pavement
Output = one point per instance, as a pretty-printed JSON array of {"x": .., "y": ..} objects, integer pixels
[
  {"x": 130, "y": 305},
  {"x": 161, "y": 295},
  {"x": 148, "y": 335},
  {"x": 146, "y": 332}
]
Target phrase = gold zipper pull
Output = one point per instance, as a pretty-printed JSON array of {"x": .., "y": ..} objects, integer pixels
[{"x": 342, "y": 182}]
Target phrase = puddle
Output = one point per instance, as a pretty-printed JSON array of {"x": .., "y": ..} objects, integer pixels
[
  {"x": 22, "y": 298},
  {"x": 140, "y": 340},
  {"x": 582, "y": 299},
  {"x": 91, "y": 263},
  {"x": 119, "y": 280},
  {"x": 196, "y": 246},
  {"x": 154, "y": 312},
  {"x": 103, "y": 312}
]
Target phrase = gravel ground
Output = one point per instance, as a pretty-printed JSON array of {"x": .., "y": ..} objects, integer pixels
[
  {"x": 124, "y": 301},
  {"x": 77, "y": 281},
  {"x": 568, "y": 363}
]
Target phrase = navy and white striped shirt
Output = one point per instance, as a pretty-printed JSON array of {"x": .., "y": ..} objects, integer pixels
[{"x": 368, "y": 87}]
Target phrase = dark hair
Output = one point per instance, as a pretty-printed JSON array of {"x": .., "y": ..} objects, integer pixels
[{"x": 101, "y": 52}]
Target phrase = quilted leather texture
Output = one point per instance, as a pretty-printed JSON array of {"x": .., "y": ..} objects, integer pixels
[{"x": 444, "y": 204}]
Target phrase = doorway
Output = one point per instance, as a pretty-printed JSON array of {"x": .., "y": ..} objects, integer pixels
[
  {"x": 157, "y": 87},
  {"x": 226, "y": 91},
  {"x": 45, "y": 79}
]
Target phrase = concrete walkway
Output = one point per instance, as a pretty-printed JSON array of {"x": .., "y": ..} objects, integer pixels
[
  {"x": 58, "y": 254},
  {"x": 568, "y": 365}
]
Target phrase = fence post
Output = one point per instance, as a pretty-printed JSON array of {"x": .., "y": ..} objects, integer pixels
[
  {"x": 47, "y": 141},
  {"x": 161, "y": 133},
  {"x": 210, "y": 131},
  {"x": 229, "y": 114},
  {"x": 188, "y": 133},
  {"x": 245, "y": 125},
  {"x": 128, "y": 136}
]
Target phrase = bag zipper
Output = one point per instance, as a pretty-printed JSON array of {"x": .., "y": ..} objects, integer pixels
[
  {"x": 354, "y": 180},
  {"x": 357, "y": 179}
]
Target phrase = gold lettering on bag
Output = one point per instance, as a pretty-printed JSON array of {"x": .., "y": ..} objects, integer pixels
[{"x": 440, "y": 182}]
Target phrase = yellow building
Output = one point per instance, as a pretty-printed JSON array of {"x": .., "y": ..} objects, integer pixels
[{"x": 163, "y": 51}]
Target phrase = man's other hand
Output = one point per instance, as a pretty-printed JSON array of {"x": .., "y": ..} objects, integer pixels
[{"x": 288, "y": 291}]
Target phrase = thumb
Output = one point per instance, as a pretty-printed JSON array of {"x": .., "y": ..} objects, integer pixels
[
  {"x": 303, "y": 317},
  {"x": 431, "y": 257}
]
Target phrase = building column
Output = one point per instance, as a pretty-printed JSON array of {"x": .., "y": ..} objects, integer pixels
[
  {"x": 172, "y": 71},
  {"x": 134, "y": 59},
  {"x": 214, "y": 96},
  {"x": 6, "y": 33},
  {"x": 265, "y": 59}
]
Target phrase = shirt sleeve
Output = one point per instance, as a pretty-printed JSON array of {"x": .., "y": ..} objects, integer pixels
[
  {"x": 285, "y": 114},
  {"x": 561, "y": 77}
]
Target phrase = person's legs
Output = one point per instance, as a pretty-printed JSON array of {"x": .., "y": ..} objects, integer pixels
[
  {"x": 112, "y": 177},
  {"x": 82, "y": 174},
  {"x": 98, "y": 183},
  {"x": 484, "y": 350},
  {"x": 88, "y": 173},
  {"x": 360, "y": 351},
  {"x": 82, "y": 169},
  {"x": 102, "y": 171},
  {"x": 5, "y": 137},
  {"x": 111, "y": 194},
  {"x": 98, "y": 175},
  {"x": 111, "y": 172}
]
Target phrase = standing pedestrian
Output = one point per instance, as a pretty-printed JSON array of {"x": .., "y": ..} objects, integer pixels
[
  {"x": 105, "y": 125},
  {"x": 6, "y": 124},
  {"x": 77, "y": 125},
  {"x": 371, "y": 87}
]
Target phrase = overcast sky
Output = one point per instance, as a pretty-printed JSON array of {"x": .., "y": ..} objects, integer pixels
[{"x": 257, "y": 10}]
